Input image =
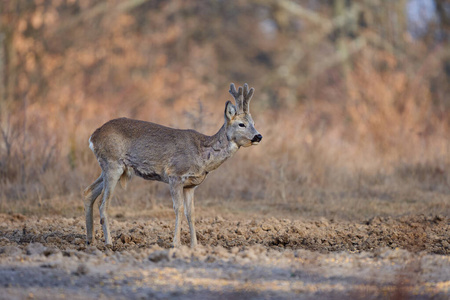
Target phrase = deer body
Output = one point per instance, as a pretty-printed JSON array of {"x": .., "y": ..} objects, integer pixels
[{"x": 180, "y": 158}]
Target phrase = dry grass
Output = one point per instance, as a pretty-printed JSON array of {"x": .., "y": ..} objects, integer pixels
[
  {"x": 372, "y": 142},
  {"x": 315, "y": 160}
]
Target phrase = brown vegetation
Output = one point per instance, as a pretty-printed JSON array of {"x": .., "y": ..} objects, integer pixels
[{"x": 354, "y": 109}]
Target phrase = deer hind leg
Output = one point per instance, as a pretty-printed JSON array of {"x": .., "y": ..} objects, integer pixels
[
  {"x": 110, "y": 179},
  {"x": 189, "y": 213},
  {"x": 91, "y": 193}
]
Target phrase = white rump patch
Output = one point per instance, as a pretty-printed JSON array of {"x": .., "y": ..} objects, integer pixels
[{"x": 91, "y": 145}]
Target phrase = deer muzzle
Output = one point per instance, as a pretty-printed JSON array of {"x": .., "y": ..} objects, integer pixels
[{"x": 256, "y": 139}]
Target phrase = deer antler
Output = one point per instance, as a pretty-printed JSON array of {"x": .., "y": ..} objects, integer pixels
[
  {"x": 238, "y": 97},
  {"x": 247, "y": 97},
  {"x": 242, "y": 97}
]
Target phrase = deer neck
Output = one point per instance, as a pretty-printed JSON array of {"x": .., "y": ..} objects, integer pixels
[{"x": 217, "y": 149}]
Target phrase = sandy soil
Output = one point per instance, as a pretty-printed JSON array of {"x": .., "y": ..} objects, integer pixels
[{"x": 397, "y": 258}]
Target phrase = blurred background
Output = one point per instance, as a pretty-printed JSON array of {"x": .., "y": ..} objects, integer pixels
[{"x": 352, "y": 98}]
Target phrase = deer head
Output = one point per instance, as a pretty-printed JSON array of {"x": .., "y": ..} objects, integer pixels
[{"x": 239, "y": 124}]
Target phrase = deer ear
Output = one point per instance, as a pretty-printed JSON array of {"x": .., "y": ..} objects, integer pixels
[{"x": 230, "y": 111}]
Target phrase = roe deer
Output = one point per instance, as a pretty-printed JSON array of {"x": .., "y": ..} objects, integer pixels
[{"x": 181, "y": 158}]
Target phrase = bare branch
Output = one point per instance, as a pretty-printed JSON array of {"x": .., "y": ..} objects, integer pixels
[{"x": 97, "y": 10}]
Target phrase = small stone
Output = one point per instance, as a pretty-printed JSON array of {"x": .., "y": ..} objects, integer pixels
[
  {"x": 234, "y": 250},
  {"x": 35, "y": 249},
  {"x": 82, "y": 269},
  {"x": 210, "y": 259},
  {"x": 157, "y": 256},
  {"x": 51, "y": 251},
  {"x": 255, "y": 229},
  {"x": 51, "y": 265},
  {"x": 125, "y": 238},
  {"x": 10, "y": 250},
  {"x": 266, "y": 227}
]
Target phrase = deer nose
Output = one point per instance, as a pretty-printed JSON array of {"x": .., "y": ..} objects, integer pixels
[{"x": 257, "y": 138}]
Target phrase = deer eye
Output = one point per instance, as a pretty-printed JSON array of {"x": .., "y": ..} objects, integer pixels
[{"x": 241, "y": 125}]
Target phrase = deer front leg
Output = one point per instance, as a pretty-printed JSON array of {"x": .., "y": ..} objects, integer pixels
[
  {"x": 189, "y": 213},
  {"x": 176, "y": 191}
]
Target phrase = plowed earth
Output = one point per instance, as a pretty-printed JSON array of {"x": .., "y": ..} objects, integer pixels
[{"x": 402, "y": 258}]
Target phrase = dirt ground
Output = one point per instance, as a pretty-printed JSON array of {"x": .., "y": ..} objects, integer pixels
[{"x": 380, "y": 258}]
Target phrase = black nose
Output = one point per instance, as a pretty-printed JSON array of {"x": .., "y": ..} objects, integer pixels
[{"x": 257, "y": 138}]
